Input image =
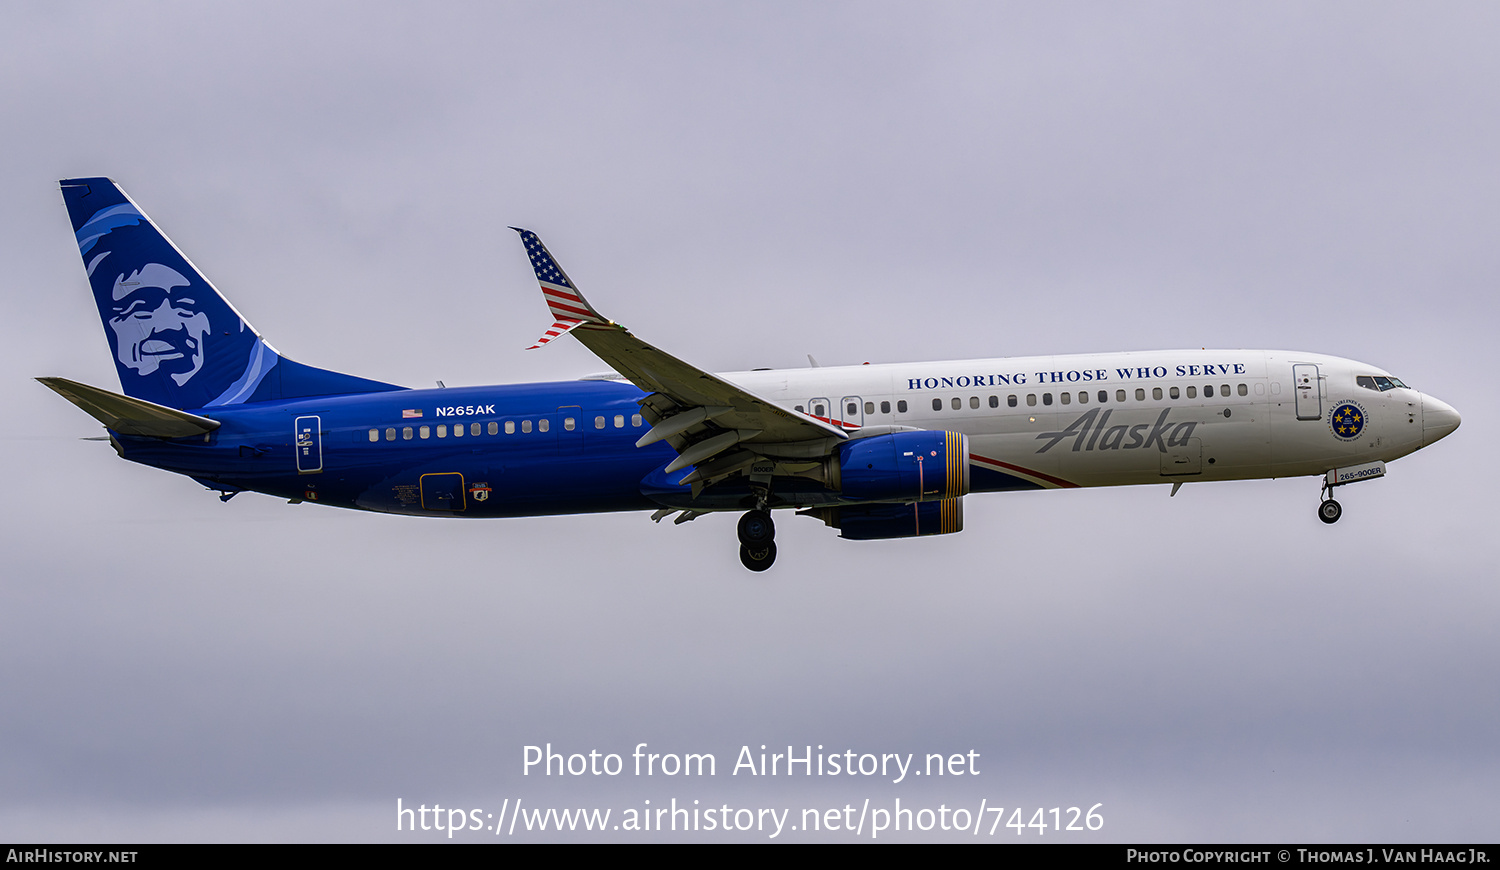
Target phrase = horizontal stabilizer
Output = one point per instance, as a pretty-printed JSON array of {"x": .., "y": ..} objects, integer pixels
[{"x": 130, "y": 416}]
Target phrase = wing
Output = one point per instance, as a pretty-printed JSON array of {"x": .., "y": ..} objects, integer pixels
[{"x": 704, "y": 418}]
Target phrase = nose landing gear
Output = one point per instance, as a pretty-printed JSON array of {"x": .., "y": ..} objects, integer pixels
[
  {"x": 757, "y": 540},
  {"x": 1329, "y": 510}
]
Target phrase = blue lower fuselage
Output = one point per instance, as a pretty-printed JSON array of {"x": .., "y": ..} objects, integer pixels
[{"x": 496, "y": 451}]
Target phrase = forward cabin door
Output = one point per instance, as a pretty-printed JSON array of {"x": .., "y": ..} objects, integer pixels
[{"x": 1309, "y": 391}]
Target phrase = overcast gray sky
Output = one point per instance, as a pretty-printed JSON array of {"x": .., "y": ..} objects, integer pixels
[{"x": 744, "y": 184}]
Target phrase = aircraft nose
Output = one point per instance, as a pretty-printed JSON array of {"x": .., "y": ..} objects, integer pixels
[{"x": 1438, "y": 419}]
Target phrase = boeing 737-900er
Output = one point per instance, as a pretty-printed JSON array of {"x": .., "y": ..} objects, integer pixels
[{"x": 875, "y": 451}]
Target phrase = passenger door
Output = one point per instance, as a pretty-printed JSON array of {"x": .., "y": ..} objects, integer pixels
[{"x": 1309, "y": 391}]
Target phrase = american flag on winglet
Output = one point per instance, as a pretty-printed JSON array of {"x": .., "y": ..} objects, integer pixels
[{"x": 569, "y": 308}]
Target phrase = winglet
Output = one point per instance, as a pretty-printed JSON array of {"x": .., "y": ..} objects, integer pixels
[{"x": 569, "y": 309}]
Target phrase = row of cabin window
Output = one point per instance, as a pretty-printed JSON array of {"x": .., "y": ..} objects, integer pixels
[
  {"x": 1012, "y": 401},
  {"x": 493, "y": 427},
  {"x": 1102, "y": 396}
]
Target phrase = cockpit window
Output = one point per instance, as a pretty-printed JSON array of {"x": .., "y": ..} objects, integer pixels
[{"x": 1379, "y": 382}]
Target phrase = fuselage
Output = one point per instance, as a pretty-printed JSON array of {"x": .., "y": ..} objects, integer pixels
[
  {"x": 876, "y": 451},
  {"x": 1032, "y": 422}
]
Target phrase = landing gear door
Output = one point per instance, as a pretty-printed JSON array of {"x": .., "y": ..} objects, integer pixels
[
  {"x": 308, "y": 437},
  {"x": 1309, "y": 391}
]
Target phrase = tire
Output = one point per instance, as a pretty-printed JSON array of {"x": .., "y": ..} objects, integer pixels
[
  {"x": 758, "y": 559},
  {"x": 756, "y": 529},
  {"x": 1330, "y": 511}
]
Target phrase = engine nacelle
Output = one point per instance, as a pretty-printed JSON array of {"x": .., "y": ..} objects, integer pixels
[
  {"x": 904, "y": 466},
  {"x": 880, "y": 521}
]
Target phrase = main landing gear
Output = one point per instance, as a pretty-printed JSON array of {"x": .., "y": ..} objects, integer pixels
[{"x": 757, "y": 540}]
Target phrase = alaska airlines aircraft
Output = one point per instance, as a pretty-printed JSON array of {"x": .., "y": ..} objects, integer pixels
[{"x": 875, "y": 451}]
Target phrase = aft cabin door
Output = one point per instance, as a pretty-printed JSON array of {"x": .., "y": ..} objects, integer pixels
[
  {"x": 1309, "y": 391},
  {"x": 308, "y": 436}
]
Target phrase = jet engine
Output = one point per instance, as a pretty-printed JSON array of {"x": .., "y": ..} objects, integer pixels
[{"x": 903, "y": 466}]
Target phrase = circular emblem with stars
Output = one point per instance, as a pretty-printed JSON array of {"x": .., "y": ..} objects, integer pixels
[{"x": 1347, "y": 421}]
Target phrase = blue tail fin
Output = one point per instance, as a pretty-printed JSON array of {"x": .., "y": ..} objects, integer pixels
[{"x": 177, "y": 341}]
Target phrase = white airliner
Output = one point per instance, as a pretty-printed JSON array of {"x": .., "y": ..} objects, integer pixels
[
  {"x": 876, "y": 451},
  {"x": 1111, "y": 419}
]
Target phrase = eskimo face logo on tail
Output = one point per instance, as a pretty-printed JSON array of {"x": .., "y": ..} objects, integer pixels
[
  {"x": 1093, "y": 432},
  {"x": 157, "y": 322},
  {"x": 176, "y": 341}
]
